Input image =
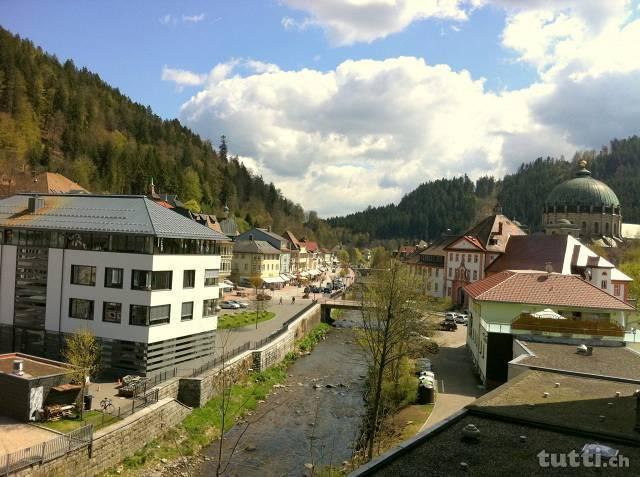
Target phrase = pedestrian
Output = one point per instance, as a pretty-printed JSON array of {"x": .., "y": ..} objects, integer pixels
[
  {"x": 293, "y": 300},
  {"x": 281, "y": 300}
]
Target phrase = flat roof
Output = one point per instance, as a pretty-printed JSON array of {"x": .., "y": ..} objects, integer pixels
[
  {"x": 498, "y": 451},
  {"x": 32, "y": 366},
  {"x": 576, "y": 404},
  {"x": 613, "y": 361}
]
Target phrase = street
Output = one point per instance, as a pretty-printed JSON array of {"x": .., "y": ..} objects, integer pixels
[{"x": 457, "y": 383}]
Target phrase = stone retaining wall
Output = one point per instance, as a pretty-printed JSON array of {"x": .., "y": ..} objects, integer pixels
[{"x": 114, "y": 443}]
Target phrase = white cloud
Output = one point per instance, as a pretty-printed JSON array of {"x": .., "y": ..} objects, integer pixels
[
  {"x": 182, "y": 78},
  {"x": 350, "y": 21},
  {"x": 193, "y": 18},
  {"x": 368, "y": 131},
  {"x": 166, "y": 19}
]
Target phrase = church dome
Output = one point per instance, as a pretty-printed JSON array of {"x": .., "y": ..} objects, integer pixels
[{"x": 583, "y": 190}]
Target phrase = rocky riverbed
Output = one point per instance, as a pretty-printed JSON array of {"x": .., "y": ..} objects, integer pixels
[{"x": 312, "y": 419}]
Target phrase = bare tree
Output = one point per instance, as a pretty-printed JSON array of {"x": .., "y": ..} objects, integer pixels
[{"x": 391, "y": 311}]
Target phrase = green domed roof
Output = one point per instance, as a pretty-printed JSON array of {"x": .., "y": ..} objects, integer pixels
[{"x": 583, "y": 190}]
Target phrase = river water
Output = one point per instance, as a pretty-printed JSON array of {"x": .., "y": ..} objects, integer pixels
[{"x": 306, "y": 421}]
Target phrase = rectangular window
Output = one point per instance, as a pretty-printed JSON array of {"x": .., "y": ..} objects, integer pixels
[
  {"x": 616, "y": 289},
  {"x": 161, "y": 280},
  {"x": 81, "y": 309},
  {"x": 211, "y": 277},
  {"x": 209, "y": 307},
  {"x": 113, "y": 277},
  {"x": 450, "y": 272},
  {"x": 187, "y": 311},
  {"x": 83, "y": 275},
  {"x": 475, "y": 274},
  {"x": 140, "y": 280},
  {"x": 457, "y": 257},
  {"x": 138, "y": 315},
  {"x": 475, "y": 258},
  {"x": 435, "y": 286},
  {"x": 159, "y": 314},
  {"x": 111, "y": 312},
  {"x": 603, "y": 284},
  {"x": 469, "y": 258},
  {"x": 189, "y": 279}
]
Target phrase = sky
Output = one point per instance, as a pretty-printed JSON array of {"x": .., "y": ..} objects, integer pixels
[{"x": 349, "y": 103}]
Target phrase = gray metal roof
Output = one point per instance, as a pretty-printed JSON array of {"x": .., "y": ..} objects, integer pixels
[
  {"x": 229, "y": 226},
  {"x": 254, "y": 246},
  {"x": 101, "y": 213}
]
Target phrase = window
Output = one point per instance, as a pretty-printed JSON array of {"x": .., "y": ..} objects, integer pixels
[
  {"x": 146, "y": 280},
  {"x": 140, "y": 280},
  {"x": 457, "y": 257},
  {"x": 475, "y": 274},
  {"x": 450, "y": 272},
  {"x": 603, "y": 284},
  {"x": 616, "y": 289},
  {"x": 161, "y": 280},
  {"x": 187, "y": 311},
  {"x": 435, "y": 286},
  {"x": 141, "y": 315},
  {"x": 209, "y": 307},
  {"x": 81, "y": 309},
  {"x": 111, "y": 312},
  {"x": 138, "y": 315},
  {"x": 450, "y": 256},
  {"x": 210, "y": 277},
  {"x": 606, "y": 228},
  {"x": 475, "y": 258},
  {"x": 83, "y": 275},
  {"x": 113, "y": 277},
  {"x": 189, "y": 279},
  {"x": 159, "y": 314},
  {"x": 584, "y": 226},
  {"x": 437, "y": 272},
  {"x": 469, "y": 258},
  {"x": 596, "y": 227}
]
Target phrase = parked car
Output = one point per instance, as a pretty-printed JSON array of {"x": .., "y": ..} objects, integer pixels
[
  {"x": 450, "y": 316},
  {"x": 327, "y": 290},
  {"x": 422, "y": 364},
  {"x": 229, "y": 305},
  {"x": 448, "y": 325},
  {"x": 306, "y": 290},
  {"x": 243, "y": 304},
  {"x": 316, "y": 289},
  {"x": 462, "y": 319},
  {"x": 429, "y": 374}
]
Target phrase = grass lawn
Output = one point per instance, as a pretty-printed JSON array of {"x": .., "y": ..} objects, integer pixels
[
  {"x": 88, "y": 417},
  {"x": 243, "y": 319},
  {"x": 411, "y": 419}
]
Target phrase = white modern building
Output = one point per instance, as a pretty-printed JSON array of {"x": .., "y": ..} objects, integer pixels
[{"x": 142, "y": 278}]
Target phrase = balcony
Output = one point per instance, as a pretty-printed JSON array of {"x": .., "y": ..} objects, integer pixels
[{"x": 525, "y": 322}]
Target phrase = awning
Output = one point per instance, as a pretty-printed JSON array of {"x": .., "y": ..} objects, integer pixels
[
  {"x": 548, "y": 313},
  {"x": 273, "y": 280},
  {"x": 304, "y": 274},
  {"x": 285, "y": 277}
]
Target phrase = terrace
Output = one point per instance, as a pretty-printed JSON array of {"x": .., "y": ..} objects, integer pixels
[{"x": 602, "y": 327}]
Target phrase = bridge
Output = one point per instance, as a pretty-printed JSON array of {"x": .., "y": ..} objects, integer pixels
[{"x": 326, "y": 305}]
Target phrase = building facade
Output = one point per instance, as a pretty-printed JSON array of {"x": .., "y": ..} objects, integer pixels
[
  {"x": 142, "y": 278},
  {"x": 256, "y": 258}
]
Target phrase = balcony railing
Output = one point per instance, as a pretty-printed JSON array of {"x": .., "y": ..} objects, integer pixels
[{"x": 526, "y": 322}]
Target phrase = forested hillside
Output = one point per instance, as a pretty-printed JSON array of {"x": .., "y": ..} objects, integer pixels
[
  {"x": 60, "y": 118},
  {"x": 457, "y": 203}
]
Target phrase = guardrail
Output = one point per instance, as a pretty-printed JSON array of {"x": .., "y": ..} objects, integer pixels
[{"x": 46, "y": 451}]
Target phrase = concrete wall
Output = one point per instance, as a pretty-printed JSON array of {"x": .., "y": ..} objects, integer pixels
[
  {"x": 7, "y": 282},
  {"x": 114, "y": 443}
]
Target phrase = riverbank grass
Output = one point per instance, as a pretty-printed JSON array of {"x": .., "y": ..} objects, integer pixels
[
  {"x": 202, "y": 426},
  {"x": 244, "y": 318}
]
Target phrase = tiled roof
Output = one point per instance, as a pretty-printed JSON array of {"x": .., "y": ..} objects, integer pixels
[
  {"x": 469, "y": 238},
  {"x": 540, "y": 288},
  {"x": 101, "y": 213},
  {"x": 292, "y": 238},
  {"x": 254, "y": 246},
  {"x": 532, "y": 252},
  {"x": 489, "y": 228},
  {"x": 311, "y": 246},
  {"x": 44, "y": 183}
]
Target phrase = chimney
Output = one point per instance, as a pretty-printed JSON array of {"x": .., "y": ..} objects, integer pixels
[
  {"x": 269, "y": 228},
  {"x": 17, "y": 367},
  {"x": 35, "y": 203},
  {"x": 548, "y": 266}
]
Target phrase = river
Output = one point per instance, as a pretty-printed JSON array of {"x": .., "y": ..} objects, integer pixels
[{"x": 304, "y": 422}]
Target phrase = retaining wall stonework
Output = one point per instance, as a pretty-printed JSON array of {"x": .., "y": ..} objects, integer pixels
[{"x": 114, "y": 443}]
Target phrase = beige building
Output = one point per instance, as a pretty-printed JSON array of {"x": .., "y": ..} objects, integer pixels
[
  {"x": 255, "y": 258},
  {"x": 585, "y": 208}
]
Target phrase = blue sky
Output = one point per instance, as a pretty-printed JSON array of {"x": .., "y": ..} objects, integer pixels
[
  {"x": 358, "y": 101},
  {"x": 127, "y": 43}
]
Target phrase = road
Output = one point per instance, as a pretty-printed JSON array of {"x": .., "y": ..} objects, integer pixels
[{"x": 457, "y": 383}]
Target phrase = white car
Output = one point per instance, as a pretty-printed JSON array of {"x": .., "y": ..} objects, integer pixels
[
  {"x": 462, "y": 319},
  {"x": 229, "y": 305},
  {"x": 243, "y": 304}
]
